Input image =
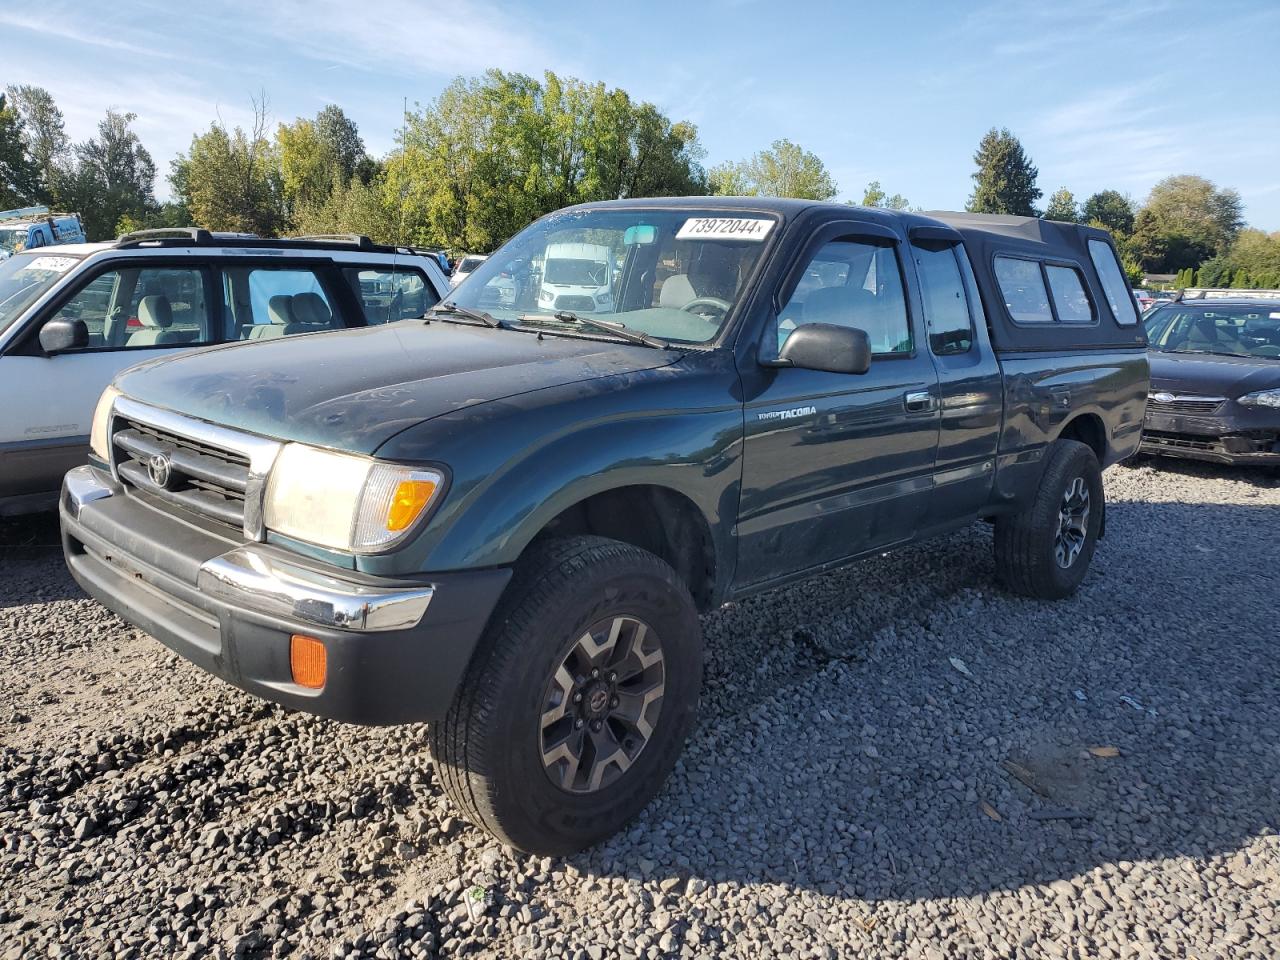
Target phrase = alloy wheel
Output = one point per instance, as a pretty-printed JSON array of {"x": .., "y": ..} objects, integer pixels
[
  {"x": 1073, "y": 523},
  {"x": 602, "y": 704}
]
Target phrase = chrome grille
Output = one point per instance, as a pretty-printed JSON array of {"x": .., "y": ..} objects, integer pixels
[
  {"x": 200, "y": 478},
  {"x": 1162, "y": 402},
  {"x": 571, "y": 301},
  {"x": 199, "y": 467}
]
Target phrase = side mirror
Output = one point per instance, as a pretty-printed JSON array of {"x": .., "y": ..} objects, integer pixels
[
  {"x": 63, "y": 333},
  {"x": 827, "y": 347}
]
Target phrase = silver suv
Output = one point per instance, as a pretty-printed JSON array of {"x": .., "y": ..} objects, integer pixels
[{"x": 75, "y": 315}]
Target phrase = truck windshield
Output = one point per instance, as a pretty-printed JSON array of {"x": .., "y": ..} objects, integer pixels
[
  {"x": 24, "y": 277},
  {"x": 673, "y": 274},
  {"x": 1226, "y": 330},
  {"x": 13, "y": 238}
]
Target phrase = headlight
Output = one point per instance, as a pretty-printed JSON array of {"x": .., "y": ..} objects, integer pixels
[
  {"x": 99, "y": 442},
  {"x": 1262, "y": 398},
  {"x": 346, "y": 502}
]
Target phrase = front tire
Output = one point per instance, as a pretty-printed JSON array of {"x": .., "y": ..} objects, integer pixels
[
  {"x": 1044, "y": 550},
  {"x": 578, "y": 699}
]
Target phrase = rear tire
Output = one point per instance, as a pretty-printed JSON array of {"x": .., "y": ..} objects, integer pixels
[
  {"x": 1044, "y": 550},
  {"x": 505, "y": 751}
]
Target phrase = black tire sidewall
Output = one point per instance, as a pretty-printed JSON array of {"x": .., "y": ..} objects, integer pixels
[
  {"x": 1068, "y": 463},
  {"x": 537, "y": 814}
]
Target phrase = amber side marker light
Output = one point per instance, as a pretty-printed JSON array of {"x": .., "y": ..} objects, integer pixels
[
  {"x": 307, "y": 661},
  {"x": 408, "y": 502}
]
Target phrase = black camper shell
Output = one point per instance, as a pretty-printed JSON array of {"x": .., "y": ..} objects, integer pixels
[{"x": 995, "y": 240}]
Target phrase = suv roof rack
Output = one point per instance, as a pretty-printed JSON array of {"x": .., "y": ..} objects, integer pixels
[
  {"x": 197, "y": 235},
  {"x": 200, "y": 237},
  {"x": 358, "y": 239},
  {"x": 1223, "y": 293}
]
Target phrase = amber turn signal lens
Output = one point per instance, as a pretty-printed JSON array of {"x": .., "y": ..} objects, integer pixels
[
  {"x": 408, "y": 502},
  {"x": 307, "y": 661}
]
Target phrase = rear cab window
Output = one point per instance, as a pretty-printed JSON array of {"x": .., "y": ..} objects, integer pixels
[
  {"x": 943, "y": 289},
  {"x": 1114, "y": 285}
]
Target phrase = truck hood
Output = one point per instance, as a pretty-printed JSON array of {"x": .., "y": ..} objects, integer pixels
[
  {"x": 1212, "y": 375},
  {"x": 355, "y": 389}
]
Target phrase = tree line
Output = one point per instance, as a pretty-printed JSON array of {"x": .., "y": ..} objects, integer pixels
[{"x": 493, "y": 152}]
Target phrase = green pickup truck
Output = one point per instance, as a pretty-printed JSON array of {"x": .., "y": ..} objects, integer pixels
[{"x": 504, "y": 518}]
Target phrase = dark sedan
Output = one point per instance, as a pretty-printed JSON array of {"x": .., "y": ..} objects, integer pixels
[{"x": 1215, "y": 380}]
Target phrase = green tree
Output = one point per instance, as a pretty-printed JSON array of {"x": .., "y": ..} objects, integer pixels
[
  {"x": 19, "y": 176},
  {"x": 727, "y": 180},
  {"x": 1005, "y": 181},
  {"x": 493, "y": 152},
  {"x": 1062, "y": 206},
  {"x": 1185, "y": 220},
  {"x": 354, "y": 207},
  {"x": 1111, "y": 208},
  {"x": 786, "y": 170},
  {"x": 114, "y": 177},
  {"x": 1214, "y": 272},
  {"x": 874, "y": 196},
  {"x": 342, "y": 137},
  {"x": 230, "y": 180},
  {"x": 318, "y": 156},
  {"x": 44, "y": 138}
]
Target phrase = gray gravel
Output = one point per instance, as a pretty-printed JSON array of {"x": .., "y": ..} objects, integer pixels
[{"x": 850, "y": 790}]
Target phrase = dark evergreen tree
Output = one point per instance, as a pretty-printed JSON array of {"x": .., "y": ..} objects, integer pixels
[{"x": 1005, "y": 181}]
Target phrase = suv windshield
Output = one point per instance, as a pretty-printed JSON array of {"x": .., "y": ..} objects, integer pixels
[
  {"x": 1223, "y": 330},
  {"x": 673, "y": 274},
  {"x": 24, "y": 277}
]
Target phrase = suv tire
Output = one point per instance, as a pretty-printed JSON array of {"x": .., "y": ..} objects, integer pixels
[
  {"x": 574, "y": 605},
  {"x": 1044, "y": 550}
]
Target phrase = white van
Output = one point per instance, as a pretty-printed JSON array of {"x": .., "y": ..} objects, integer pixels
[{"x": 577, "y": 277}]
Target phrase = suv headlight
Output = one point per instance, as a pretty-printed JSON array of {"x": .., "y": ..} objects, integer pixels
[
  {"x": 346, "y": 502},
  {"x": 1262, "y": 398},
  {"x": 99, "y": 442}
]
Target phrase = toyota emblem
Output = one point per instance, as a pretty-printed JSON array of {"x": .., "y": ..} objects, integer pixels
[
  {"x": 1162, "y": 397},
  {"x": 159, "y": 469}
]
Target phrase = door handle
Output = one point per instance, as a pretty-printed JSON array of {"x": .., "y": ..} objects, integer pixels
[{"x": 919, "y": 401}]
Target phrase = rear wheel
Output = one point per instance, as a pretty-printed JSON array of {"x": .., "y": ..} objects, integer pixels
[
  {"x": 578, "y": 699},
  {"x": 1044, "y": 550}
]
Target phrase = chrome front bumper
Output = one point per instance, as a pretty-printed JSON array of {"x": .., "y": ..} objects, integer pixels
[{"x": 249, "y": 576}]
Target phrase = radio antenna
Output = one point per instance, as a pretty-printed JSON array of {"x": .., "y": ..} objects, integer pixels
[{"x": 404, "y": 166}]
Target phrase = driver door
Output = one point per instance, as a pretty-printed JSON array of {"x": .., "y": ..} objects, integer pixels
[{"x": 838, "y": 464}]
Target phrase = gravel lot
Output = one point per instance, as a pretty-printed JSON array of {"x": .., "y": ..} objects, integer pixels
[{"x": 851, "y": 789}]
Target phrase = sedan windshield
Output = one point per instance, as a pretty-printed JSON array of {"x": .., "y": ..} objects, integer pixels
[
  {"x": 1222, "y": 330},
  {"x": 24, "y": 277},
  {"x": 673, "y": 274}
]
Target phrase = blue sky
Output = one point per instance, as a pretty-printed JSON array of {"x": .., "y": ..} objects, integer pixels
[{"x": 1103, "y": 94}]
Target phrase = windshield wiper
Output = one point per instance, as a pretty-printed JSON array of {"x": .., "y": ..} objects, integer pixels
[
  {"x": 612, "y": 326},
  {"x": 488, "y": 319}
]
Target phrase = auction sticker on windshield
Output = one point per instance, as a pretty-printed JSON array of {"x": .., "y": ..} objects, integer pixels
[
  {"x": 52, "y": 264},
  {"x": 724, "y": 228}
]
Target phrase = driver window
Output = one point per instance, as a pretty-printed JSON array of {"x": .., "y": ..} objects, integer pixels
[{"x": 852, "y": 283}]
